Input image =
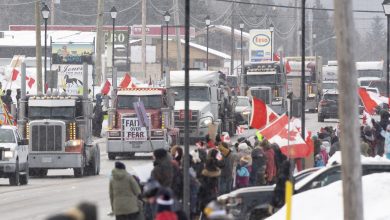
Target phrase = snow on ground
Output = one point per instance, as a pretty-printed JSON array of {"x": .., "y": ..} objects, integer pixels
[{"x": 326, "y": 203}]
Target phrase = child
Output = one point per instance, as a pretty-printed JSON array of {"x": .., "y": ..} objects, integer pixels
[
  {"x": 318, "y": 161},
  {"x": 243, "y": 172}
]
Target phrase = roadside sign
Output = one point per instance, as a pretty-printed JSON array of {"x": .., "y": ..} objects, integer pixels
[
  {"x": 133, "y": 131},
  {"x": 120, "y": 37}
]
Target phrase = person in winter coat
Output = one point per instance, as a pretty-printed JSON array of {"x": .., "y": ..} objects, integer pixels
[
  {"x": 317, "y": 145},
  {"x": 368, "y": 138},
  {"x": 386, "y": 136},
  {"x": 279, "y": 156},
  {"x": 270, "y": 169},
  {"x": 258, "y": 167},
  {"x": 177, "y": 154},
  {"x": 324, "y": 154},
  {"x": 318, "y": 161},
  {"x": 279, "y": 191},
  {"x": 199, "y": 157},
  {"x": 165, "y": 204},
  {"x": 7, "y": 100},
  {"x": 380, "y": 141},
  {"x": 209, "y": 178},
  {"x": 229, "y": 158},
  {"x": 335, "y": 146},
  {"x": 243, "y": 173},
  {"x": 150, "y": 193},
  {"x": 163, "y": 169},
  {"x": 124, "y": 192},
  {"x": 98, "y": 117}
]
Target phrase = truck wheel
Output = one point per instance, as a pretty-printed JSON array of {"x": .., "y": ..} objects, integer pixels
[
  {"x": 320, "y": 118},
  {"x": 111, "y": 156},
  {"x": 78, "y": 172},
  {"x": 131, "y": 154},
  {"x": 14, "y": 177},
  {"x": 24, "y": 178},
  {"x": 42, "y": 172}
]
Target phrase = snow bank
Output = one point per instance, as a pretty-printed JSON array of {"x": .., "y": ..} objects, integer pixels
[
  {"x": 327, "y": 202},
  {"x": 336, "y": 158}
]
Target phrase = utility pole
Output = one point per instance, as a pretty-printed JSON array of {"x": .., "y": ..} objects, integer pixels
[
  {"x": 232, "y": 42},
  {"x": 178, "y": 43},
  {"x": 99, "y": 43},
  {"x": 143, "y": 50},
  {"x": 52, "y": 12},
  {"x": 348, "y": 111},
  {"x": 296, "y": 36},
  {"x": 303, "y": 65},
  {"x": 186, "y": 167},
  {"x": 38, "y": 47}
]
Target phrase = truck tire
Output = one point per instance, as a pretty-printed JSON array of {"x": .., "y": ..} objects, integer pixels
[
  {"x": 111, "y": 156},
  {"x": 78, "y": 172},
  {"x": 14, "y": 177},
  {"x": 24, "y": 177}
]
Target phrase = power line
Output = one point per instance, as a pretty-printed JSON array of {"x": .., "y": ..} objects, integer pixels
[
  {"x": 294, "y": 7},
  {"x": 95, "y": 14},
  {"x": 23, "y": 3}
]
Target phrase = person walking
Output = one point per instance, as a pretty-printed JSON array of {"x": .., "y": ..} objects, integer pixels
[
  {"x": 98, "y": 117},
  {"x": 124, "y": 192},
  {"x": 163, "y": 169},
  {"x": 208, "y": 183},
  {"x": 258, "y": 167},
  {"x": 7, "y": 99},
  {"x": 243, "y": 172}
]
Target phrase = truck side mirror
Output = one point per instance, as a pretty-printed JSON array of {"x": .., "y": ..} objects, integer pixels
[{"x": 23, "y": 142}]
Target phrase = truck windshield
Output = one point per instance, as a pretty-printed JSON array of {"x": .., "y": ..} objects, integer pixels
[
  {"x": 150, "y": 102},
  {"x": 7, "y": 136},
  {"x": 197, "y": 93},
  {"x": 255, "y": 80},
  {"x": 332, "y": 85},
  {"x": 52, "y": 112},
  {"x": 370, "y": 73},
  {"x": 243, "y": 102}
]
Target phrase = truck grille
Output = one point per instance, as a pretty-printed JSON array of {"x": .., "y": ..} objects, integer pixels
[
  {"x": 261, "y": 94},
  {"x": 193, "y": 123},
  {"x": 46, "y": 138}
]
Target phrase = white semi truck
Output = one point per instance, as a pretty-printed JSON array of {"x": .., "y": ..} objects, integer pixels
[{"x": 210, "y": 102}]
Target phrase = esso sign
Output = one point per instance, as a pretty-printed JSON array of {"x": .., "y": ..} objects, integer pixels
[{"x": 261, "y": 40}]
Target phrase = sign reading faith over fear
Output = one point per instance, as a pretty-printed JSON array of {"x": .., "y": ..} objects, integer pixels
[
  {"x": 260, "y": 45},
  {"x": 133, "y": 131}
]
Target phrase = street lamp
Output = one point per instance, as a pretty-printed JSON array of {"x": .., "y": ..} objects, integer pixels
[
  {"x": 271, "y": 29},
  {"x": 45, "y": 14},
  {"x": 386, "y": 9},
  {"x": 167, "y": 17},
  {"x": 242, "y": 25},
  {"x": 207, "y": 21},
  {"x": 113, "y": 13}
]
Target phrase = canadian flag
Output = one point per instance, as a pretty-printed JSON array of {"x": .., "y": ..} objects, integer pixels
[
  {"x": 126, "y": 80},
  {"x": 289, "y": 140},
  {"x": 371, "y": 100},
  {"x": 261, "y": 114},
  {"x": 15, "y": 74},
  {"x": 366, "y": 120},
  {"x": 276, "y": 57},
  {"x": 30, "y": 81},
  {"x": 106, "y": 88},
  {"x": 287, "y": 67}
]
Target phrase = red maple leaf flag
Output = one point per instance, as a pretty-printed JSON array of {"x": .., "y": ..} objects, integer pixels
[
  {"x": 371, "y": 100},
  {"x": 289, "y": 140},
  {"x": 125, "y": 81},
  {"x": 276, "y": 57},
  {"x": 261, "y": 114},
  {"x": 30, "y": 81},
  {"x": 106, "y": 88},
  {"x": 288, "y": 67},
  {"x": 15, "y": 74}
]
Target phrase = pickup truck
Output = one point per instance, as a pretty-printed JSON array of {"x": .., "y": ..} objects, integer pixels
[{"x": 13, "y": 156}]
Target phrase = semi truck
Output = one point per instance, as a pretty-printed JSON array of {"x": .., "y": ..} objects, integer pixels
[
  {"x": 127, "y": 136},
  {"x": 59, "y": 130},
  {"x": 265, "y": 81},
  {"x": 210, "y": 102}
]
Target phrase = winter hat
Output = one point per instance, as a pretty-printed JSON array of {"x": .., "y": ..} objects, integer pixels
[
  {"x": 151, "y": 188},
  {"x": 160, "y": 153},
  {"x": 119, "y": 165},
  {"x": 243, "y": 147},
  {"x": 245, "y": 159},
  {"x": 164, "y": 200}
]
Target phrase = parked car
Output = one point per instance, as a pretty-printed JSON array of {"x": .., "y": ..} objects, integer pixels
[
  {"x": 328, "y": 106},
  {"x": 13, "y": 156},
  {"x": 242, "y": 110},
  {"x": 253, "y": 202}
]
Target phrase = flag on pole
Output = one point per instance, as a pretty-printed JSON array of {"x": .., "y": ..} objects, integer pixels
[
  {"x": 288, "y": 67},
  {"x": 261, "y": 114},
  {"x": 125, "y": 81},
  {"x": 15, "y": 74},
  {"x": 371, "y": 100},
  {"x": 289, "y": 139},
  {"x": 106, "y": 88}
]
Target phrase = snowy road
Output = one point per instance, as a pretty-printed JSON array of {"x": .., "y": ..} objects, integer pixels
[{"x": 60, "y": 190}]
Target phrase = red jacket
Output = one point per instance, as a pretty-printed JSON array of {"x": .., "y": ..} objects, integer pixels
[
  {"x": 270, "y": 169},
  {"x": 166, "y": 215}
]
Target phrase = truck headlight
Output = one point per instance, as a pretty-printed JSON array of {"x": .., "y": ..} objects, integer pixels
[
  {"x": 246, "y": 112},
  {"x": 206, "y": 122},
  {"x": 158, "y": 133},
  {"x": 8, "y": 154},
  {"x": 114, "y": 133},
  {"x": 73, "y": 143}
]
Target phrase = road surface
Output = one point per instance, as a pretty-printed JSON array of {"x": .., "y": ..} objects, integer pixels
[{"x": 60, "y": 191}]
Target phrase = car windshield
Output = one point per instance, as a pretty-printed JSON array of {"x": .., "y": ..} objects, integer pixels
[
  {"x": 242, "y": 102},
  {"x": 196, "y": 93},
  {"x": 370, "y": 73},
  {"x": 150, "y": 101},
  {"x": 7, "y": 136},
  {"x": 332, "y": 97},
  {"x": 329, "y": 86},
  {"x": 52, "y": 112}
]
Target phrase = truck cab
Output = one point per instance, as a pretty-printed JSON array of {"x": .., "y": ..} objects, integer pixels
[
  {"x": 13, "y": 156},
  {"x": 127, "y": 135},
  {"x": 59, "y": 131}
]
